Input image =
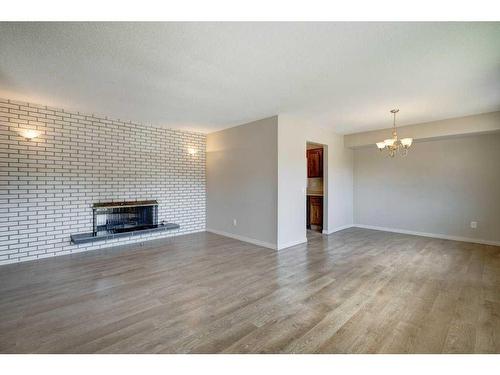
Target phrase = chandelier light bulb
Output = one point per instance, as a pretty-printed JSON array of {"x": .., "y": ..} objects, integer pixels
[{"x": 406, "y": 142}]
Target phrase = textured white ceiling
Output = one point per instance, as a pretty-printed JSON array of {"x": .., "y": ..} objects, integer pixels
[{"x": 208, "y": 76}]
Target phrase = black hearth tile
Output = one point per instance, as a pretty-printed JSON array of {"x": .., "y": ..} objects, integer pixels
[{"x": 89, "y": 237}]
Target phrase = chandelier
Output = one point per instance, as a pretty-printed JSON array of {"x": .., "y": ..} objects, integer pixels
[{"x": 394, "y": 144}]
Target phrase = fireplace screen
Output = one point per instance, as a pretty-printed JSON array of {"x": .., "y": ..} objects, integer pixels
[{"x": 119, "y": 217}]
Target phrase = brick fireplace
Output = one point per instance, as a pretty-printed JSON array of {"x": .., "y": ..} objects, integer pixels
[{"x": 49, "y": 184}]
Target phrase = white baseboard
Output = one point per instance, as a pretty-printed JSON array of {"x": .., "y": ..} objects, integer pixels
[
  {"x": 433, "y": 235},
  {"x": 338, "y": 229},
  {"x": 293, "y": 243},
  {"x": 384, "y": 229},
  {"x": 243, "y": 238}
]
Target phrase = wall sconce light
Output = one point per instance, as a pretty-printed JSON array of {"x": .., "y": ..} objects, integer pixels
[
  {"x": 30, "y": 134},
  {"x": 192, "y": 151}
]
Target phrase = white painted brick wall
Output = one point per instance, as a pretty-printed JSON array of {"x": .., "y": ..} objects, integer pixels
[{"x": 48, "y": 185}]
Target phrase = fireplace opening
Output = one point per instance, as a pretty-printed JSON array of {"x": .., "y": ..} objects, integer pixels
[{"x": 117, "y": 219}]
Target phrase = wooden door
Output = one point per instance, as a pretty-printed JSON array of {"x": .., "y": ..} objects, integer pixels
[
  {"x": 315, "y": 163},
  {"x": 316, "y": 210}
]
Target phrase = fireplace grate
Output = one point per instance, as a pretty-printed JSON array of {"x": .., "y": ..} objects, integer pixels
[{"x": 119, "y": 217}]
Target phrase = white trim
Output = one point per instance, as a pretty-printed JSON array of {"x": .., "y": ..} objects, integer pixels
[
  {"x": 338, "y": 229},
  {"x": 373, "y": 227},
  {"x": 243, "y": 238},
  {"x": 293, "y": 243},
  {"x": 433, "y": 235}
]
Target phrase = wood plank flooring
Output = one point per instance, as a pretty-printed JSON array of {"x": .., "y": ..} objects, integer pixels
[{"x": 356, "y": 291}]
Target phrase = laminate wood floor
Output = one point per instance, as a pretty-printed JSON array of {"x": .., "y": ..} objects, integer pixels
[{"x": 356, "y": 291}]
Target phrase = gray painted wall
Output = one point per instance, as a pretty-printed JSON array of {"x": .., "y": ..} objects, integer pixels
[
  {"x": 242, "y": 173},
  {"x": 440, "y": 187}
]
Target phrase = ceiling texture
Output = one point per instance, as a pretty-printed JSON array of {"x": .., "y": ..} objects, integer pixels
[{"x": 209, "y": 76}]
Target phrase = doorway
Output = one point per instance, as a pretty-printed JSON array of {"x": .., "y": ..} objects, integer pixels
[{"x": 316, "y": 208}]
